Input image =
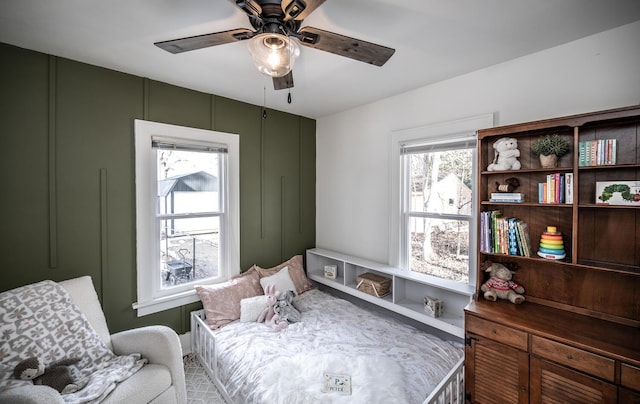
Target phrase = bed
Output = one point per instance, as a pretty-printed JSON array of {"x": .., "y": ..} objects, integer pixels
[{"x": 387, "y": 360}]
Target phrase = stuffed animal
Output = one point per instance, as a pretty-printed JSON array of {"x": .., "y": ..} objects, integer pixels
[
  {"x": 285, "y": 308},
  {"x": 500, "y": 285},
  {"x": 506, "y": 155},
  {"x": 57, "y": 375},
  {"x": 268, "y": 315},
  {"x": 510, "y": 185}
]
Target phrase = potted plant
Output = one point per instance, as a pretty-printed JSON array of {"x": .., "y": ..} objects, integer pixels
[{"x": 549, "y": 148}]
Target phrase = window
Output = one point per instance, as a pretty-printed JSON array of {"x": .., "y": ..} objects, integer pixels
[
  {"x": 437, "y": 208},
  {"x": 187, "y": 212},
  {"x": 432, "y": 222}
]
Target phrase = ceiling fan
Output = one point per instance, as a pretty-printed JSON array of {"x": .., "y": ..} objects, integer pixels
[{"x": 276, "y": 23}]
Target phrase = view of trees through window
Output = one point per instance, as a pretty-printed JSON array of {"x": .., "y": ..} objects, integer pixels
[
  {"x": 440, "y": 204},
  {"x": 189, "y": 206}
]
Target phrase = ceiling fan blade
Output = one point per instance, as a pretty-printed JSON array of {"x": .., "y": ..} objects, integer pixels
[
  {"x": 284, "y": 82},
  {"x": 299, "y": 9},
  {"x": 205, "y": 41},
  {"x": 250, "y": 7},
  {"x": 344, "y": 46}
]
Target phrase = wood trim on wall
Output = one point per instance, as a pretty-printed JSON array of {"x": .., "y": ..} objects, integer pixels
[{"x": 51, "y": 133}]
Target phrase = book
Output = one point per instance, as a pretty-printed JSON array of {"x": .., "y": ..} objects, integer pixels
[
  {"x": 613, "y": 151},
  {"x": 512, "y": 241},
  {"x": 540, "y": 192},
  {"x": 568, "y": 188},
  {"x": 507, "y": 195},
  {"x": 581, "y": 154},
  {"x": 514, "y": 197},
  {"x": 523, "y": 230}
]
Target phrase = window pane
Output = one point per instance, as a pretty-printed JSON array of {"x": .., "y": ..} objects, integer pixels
[
  {"x": 188, "y": 182},
  {"x": 440, "y": 248},
  {"x": 440, "y": 182},
  {"x": 189, "y": 250}
]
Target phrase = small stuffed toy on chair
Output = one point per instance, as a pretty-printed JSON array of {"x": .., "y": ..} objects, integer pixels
[
  {"x": 500, "y": 285},
  {"x": 56, "y": 375},
  {"x": 268, "y": 315}
]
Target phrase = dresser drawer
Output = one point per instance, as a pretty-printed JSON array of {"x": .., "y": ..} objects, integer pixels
[
  {"x": 497, "y": 332},
  {"x": 575, "y": 358},
  {"x": 630, "y": 376}
]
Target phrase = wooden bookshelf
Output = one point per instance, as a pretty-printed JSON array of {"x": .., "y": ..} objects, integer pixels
[{"x": 596, "y": 287}]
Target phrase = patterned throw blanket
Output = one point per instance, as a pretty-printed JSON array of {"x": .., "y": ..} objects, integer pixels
[{"x": 41, "y": 320}]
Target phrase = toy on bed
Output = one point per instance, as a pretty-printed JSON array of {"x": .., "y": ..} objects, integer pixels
[
  {"x": 506, "y": 155},
  {"x": 285, "y": 307},
  {"x": 500, "y": 285},
  {"x": 268, "y": 315},
  {"x": 56, "y": 375}
]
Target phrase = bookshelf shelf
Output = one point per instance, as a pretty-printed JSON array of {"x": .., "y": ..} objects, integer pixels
[{"x": 532, "y": 204}]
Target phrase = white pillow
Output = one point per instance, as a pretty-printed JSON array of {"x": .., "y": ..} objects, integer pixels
[
  {"x": 251, "y": 307},
  {"x": 281, "y": 279}
]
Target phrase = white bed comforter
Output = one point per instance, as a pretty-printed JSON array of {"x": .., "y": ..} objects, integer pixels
[{"x": 254, "y": 362}]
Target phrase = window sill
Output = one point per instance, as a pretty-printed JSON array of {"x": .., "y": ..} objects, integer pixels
[{"x": 165, "y": 303}]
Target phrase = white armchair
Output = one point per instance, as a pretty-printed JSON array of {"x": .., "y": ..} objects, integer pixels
[{"x": 161, "y": 380}]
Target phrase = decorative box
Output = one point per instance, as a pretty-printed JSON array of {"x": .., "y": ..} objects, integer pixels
[
  {"x": 618, "y": 193},
  {"x": 373, "y": 284},
  {"x": 433, "y": 306},
  {"x": 330, "y": 271}
]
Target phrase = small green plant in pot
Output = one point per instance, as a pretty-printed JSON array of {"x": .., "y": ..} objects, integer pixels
[{"x": 549, "y": 148}]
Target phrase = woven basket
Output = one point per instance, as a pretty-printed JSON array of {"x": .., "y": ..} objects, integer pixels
[{"x": 373, "y": 284}]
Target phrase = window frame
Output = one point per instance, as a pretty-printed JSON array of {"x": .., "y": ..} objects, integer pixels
[
  {"x": 438, "y": 133},
  {"x": 150, "y": 297},
  {"x": 463, "y": 141}
]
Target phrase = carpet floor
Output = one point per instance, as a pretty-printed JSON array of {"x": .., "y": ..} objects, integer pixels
[{"x": 200, "y": 389}]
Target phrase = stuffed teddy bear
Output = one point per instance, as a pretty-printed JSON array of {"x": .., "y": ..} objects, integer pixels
[
  {"x": 268, "y": 315},
  {"x": 506, "y": 155},
  {"x": 285, "y": 308},
  {"x": 57, "y": 375},
  {"x": 500, "y": 285}
]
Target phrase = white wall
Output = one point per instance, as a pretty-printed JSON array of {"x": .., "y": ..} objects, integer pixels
[{"x": 594, "y": 73}]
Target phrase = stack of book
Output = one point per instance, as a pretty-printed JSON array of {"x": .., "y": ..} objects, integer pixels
[
  {"x": 507, "y": 197},
  {"x": 557, "y": 189},
  {"x": 597, "y": 152},
  {"x": 504, "y": 235}
]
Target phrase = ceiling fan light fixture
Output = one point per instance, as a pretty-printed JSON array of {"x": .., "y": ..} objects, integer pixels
[{"x": 273, "y": 54}]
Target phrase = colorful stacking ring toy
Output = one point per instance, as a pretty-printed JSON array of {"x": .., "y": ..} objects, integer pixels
[{"x": 551, "y": 244}]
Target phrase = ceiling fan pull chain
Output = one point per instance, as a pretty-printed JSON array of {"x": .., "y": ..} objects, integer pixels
[
  {"x": 264, "y": 101},
  {"x": 289, "y": 97}
]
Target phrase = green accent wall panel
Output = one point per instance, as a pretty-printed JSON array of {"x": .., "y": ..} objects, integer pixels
[
  {"x": 95, "y": 110},
  {"x": 67, "y": 169},
  {"x": 24, "y": 241},
  {"x": 245, "y": 120},
  {"x": 178, "y": 106},
  {"x": 281, "y": 185},
  {"x": 307, "y": 134}
]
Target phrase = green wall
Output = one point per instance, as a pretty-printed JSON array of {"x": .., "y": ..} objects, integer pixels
[{"x": 67, "y": 169}]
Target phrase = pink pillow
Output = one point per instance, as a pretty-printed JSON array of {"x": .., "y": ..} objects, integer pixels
[
  {"x": 221, "y": 302},
  {"x": 296, "y": 272}
]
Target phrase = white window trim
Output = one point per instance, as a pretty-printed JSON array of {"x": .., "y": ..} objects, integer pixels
[
  {"x": 433, "y": 132},
  {"x": 146, "y": 189}
]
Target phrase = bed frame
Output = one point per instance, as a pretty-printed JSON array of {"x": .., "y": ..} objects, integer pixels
[{"x": 449, "y": 391}]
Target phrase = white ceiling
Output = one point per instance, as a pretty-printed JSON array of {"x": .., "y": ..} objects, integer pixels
[{"x": 434, "y": 40}]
